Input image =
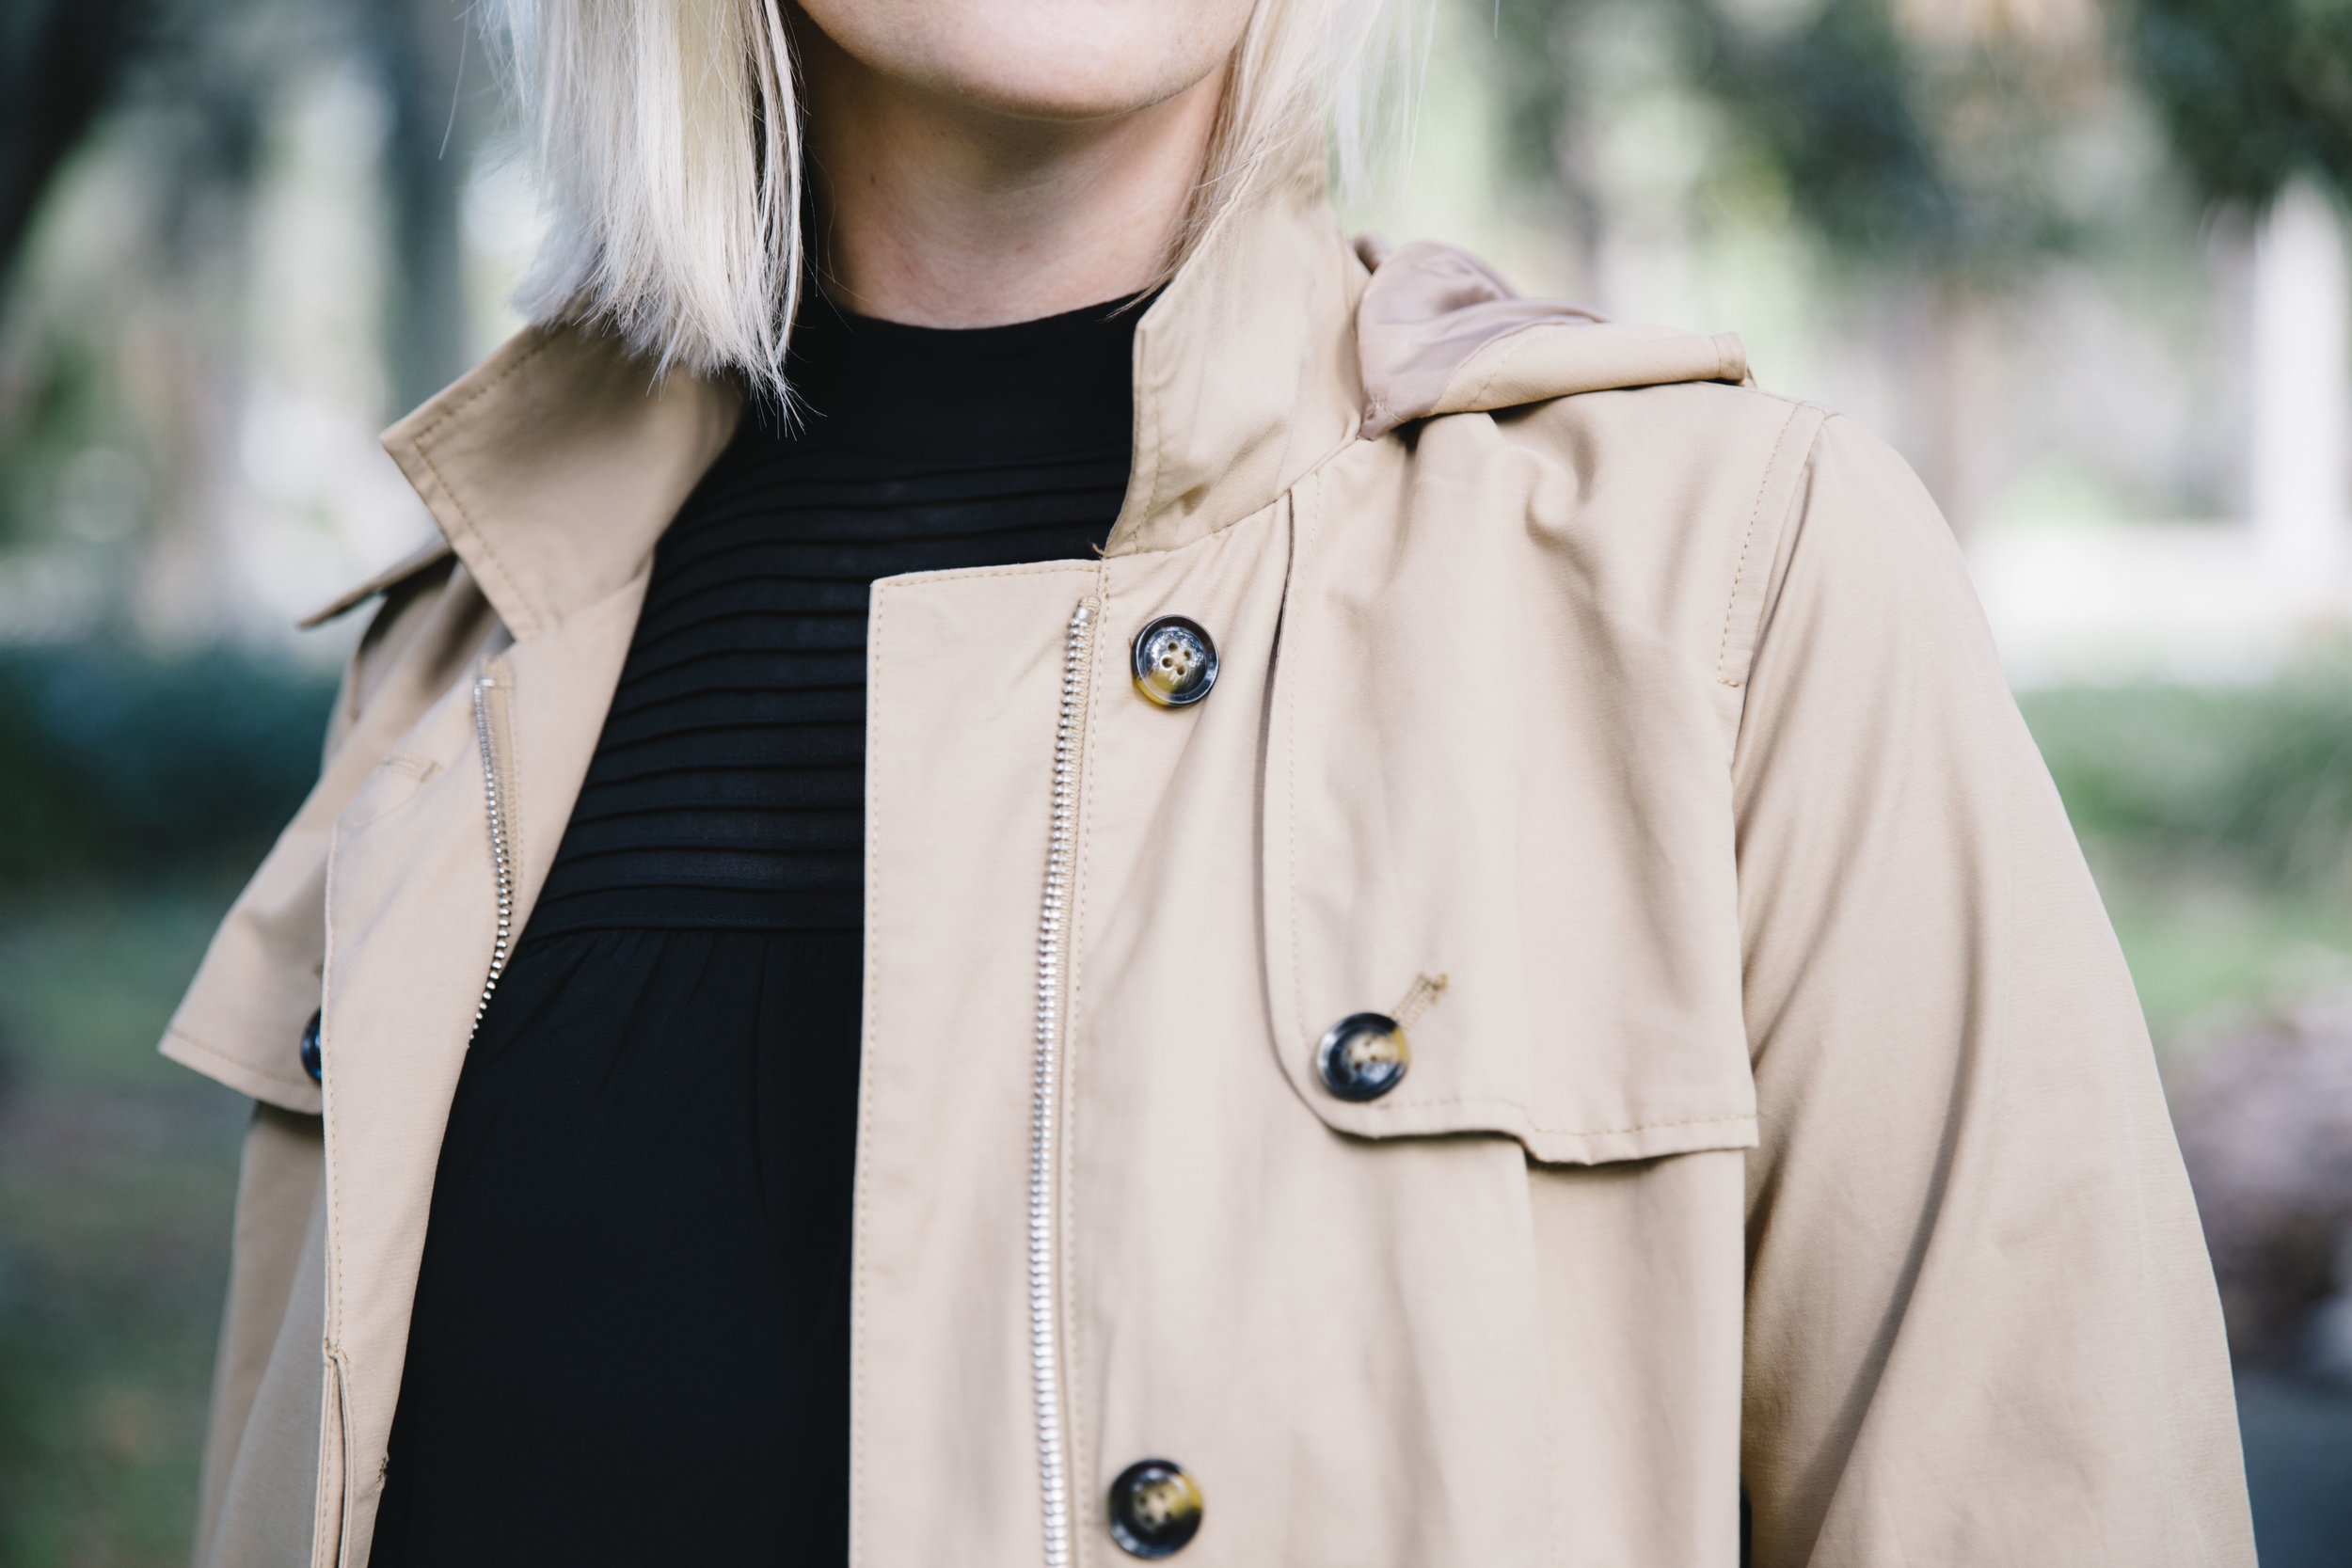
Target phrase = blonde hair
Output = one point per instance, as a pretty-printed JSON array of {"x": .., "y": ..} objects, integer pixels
[{"x": 666, "y": 138}]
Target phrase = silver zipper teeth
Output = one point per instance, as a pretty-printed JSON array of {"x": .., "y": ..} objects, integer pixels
[
  {"x": 1051, "y": 943},
  {"x": 501, "y": 856}
]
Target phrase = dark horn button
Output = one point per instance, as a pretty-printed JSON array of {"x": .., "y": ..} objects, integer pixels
[
  {"x": 1363, "y": 1056},
  {"x": 312, "y": 1062},
  {"x": 1174, "y": 661},
  {"x": 1155, "y": 1509}
]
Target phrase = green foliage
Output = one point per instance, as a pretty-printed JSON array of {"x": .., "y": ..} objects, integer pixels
[
  {"x": 2259, "y": 776},
  {"x": 2252, "y": 91},
  {"x": 66, "y": 406},
  {"x": 1832, "y": 104},
  {"x": 1937, "y": 156},
  {"x": 112, "y": 761},
  {"x": 118, "y": 1169}
]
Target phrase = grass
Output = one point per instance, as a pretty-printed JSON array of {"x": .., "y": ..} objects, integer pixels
[
  {"x": 117, "y": 1174},
  {"x": 2219, "y": 823},
  {"x": 2209, "y": 944}
]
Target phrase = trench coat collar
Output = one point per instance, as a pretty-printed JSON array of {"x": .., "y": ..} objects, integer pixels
[
  {"x": 554, "y": 467},
  {"x": 1246, "y": 371}
]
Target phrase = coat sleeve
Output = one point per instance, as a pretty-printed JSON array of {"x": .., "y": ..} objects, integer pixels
[{"x": 1981, "y": 1327}]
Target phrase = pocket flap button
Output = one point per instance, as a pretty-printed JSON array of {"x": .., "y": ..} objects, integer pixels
[{"x": 1363, "y": 1056}]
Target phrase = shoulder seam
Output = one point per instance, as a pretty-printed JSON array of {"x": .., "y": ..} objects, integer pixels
[{"x": 1747, "y": 539}]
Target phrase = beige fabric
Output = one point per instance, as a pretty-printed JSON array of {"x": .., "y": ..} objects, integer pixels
[
  {"x": 1786, "y": 1119},
  {"x": 265, "y": 1383},
  {"x": 385, "y": 581},
  {"x": 1443, "y": 333},
  {"x": 260, "y": 981},
  {"x": 1981, "y": 1324}
]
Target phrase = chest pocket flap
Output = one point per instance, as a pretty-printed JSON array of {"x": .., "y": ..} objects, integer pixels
[{"x": 1516, "y": 839}]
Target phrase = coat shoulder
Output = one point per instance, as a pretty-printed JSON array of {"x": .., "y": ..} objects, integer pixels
[
  {"x": 1673, "y": 511},
  {"x": 1661, "y": 468},
  {"x": 1684, "y": 420}
]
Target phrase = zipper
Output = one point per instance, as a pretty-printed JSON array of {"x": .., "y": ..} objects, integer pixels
[
  {"x": 1052, "y": 940},
  {"x": 502, "y": 846}
]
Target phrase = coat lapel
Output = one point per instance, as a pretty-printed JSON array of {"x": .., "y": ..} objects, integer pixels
[{"x": 552, "y": 470}]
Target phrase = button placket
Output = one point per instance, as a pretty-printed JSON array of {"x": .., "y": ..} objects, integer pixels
[{"x": 1364, "y": 1055}]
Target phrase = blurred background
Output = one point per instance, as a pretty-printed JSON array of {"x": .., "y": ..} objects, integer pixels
[{"x": 2084, "y": 261}]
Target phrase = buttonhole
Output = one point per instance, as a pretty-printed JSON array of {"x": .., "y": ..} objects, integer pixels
[{"x": 1425, "y": 991}]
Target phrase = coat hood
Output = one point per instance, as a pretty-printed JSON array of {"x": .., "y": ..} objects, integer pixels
[
  {"x": 553, "y": 468},
  {"x": 1438, "y": 331}
]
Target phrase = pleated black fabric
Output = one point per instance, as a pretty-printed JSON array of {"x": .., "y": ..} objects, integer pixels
[
  {"x": 728, "y": 790},
  {"x": 630, "y": 1341}
]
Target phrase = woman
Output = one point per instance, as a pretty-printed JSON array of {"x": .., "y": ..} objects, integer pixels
[{"x": 1125, "y": 882}]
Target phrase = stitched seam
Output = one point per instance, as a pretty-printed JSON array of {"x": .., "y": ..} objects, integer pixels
[
  {"x": 332, "y": 1384},
  {"x": 331, "y": 1154},
  {"x": 861, "y": 1186},
  {"x": 214, "y": 1053},
  {"x": 485, "y": 388},
  {"x": 348, "y": 1524},
  {"x": 1739, "y": 573},
  {"x": 473, "y": 529},
  {"x": 1764, "y": 611},
  {"x": 1534, "y": 1126},
  {"x": 1159, "y": 455},
  {"x": 1073, "y": 1432},
  {"x": 409, "y": 764},
  {"x": 1290, "y": 825},
  {"x": 964, "y": 574}
]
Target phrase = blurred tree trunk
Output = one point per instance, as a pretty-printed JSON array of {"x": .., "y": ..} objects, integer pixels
[
  {"x": 1954, "y": 390},
  {"x": 60, "y": 61},
  {"x": 420, "y": 46}
]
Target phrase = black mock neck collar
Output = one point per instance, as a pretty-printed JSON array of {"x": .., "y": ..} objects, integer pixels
[{"x": 1035, "y": 388}]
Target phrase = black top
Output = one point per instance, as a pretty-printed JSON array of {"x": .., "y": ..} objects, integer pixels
[
  {"x": 630, "y": 1341},
  {"x": 728, "y": 790}
]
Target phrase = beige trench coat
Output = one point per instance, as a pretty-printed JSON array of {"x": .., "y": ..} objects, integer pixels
[{"x": 1786, "y": 1121}]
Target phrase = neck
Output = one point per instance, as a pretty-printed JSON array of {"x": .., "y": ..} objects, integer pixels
[{"x": 941, "y": 213}]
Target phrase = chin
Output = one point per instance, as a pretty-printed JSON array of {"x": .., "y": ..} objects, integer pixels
[{"x": 1044, "y": 59}]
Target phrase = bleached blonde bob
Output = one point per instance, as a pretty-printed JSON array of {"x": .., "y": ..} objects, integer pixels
[{"x": 666, "y": 137}]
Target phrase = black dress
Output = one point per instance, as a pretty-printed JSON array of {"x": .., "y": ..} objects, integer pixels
[{"x": 630, "y": 1342}]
